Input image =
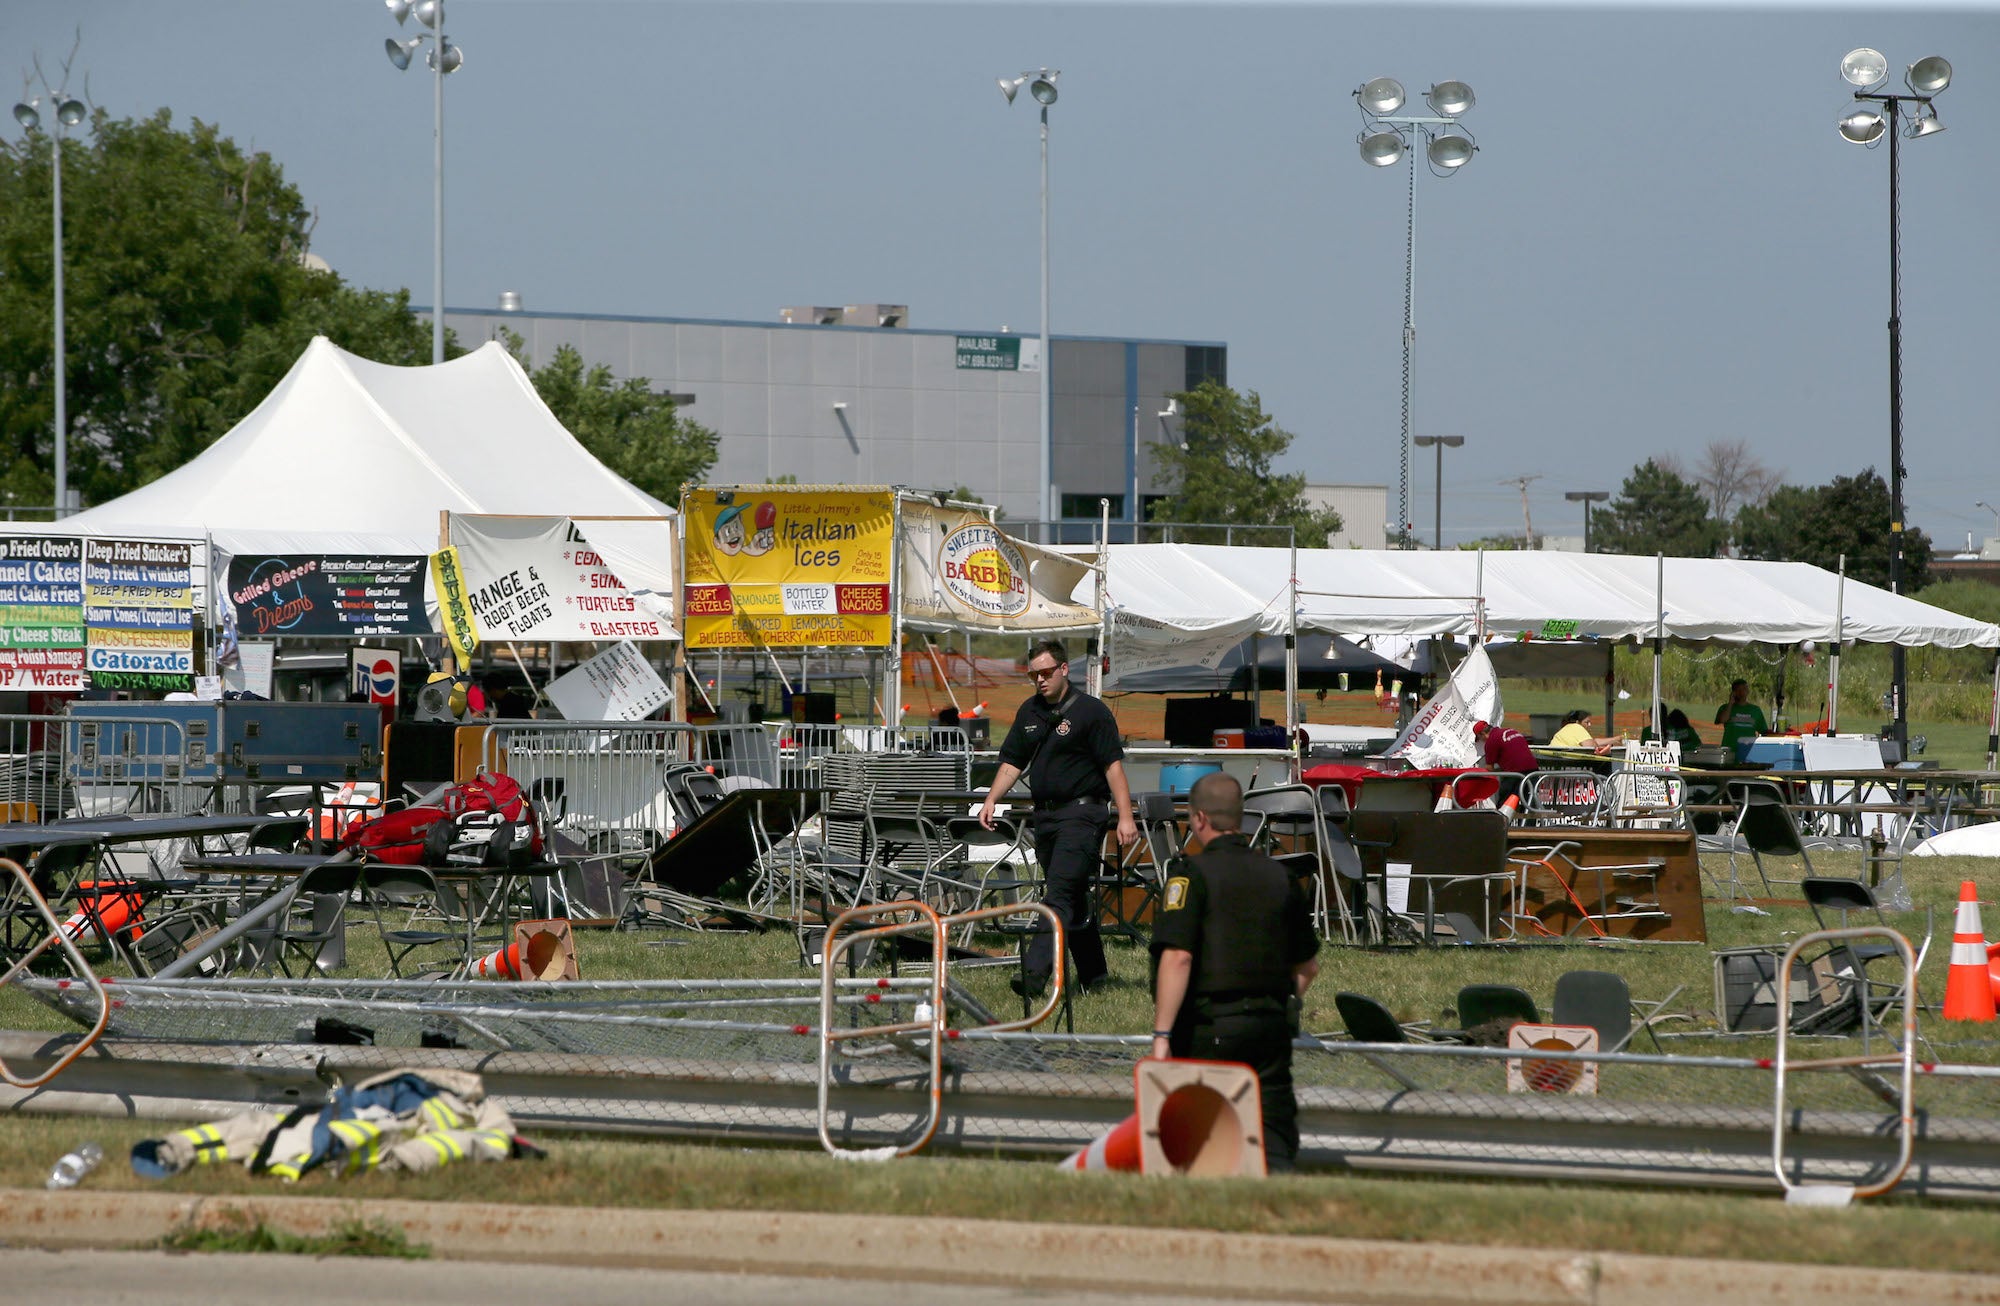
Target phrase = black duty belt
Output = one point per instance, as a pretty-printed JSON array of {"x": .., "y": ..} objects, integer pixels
[{"x": 1060, "y": 804}]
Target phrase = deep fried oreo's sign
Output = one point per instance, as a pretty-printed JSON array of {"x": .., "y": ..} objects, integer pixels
[{"x": 981, "y": 568}]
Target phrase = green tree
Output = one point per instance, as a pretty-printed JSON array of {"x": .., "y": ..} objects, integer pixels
[
  {"x": 1656, "y": 511},
  {"x": 1847, "y": 517},
  {"x": 626, "y": 425},
  {"x": 1221, "y": 472},
  {"x": 186, "y": 296}
]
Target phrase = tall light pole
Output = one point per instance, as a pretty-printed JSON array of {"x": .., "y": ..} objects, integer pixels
[
  {"x": 1914, "y": 116},
  {"x": 1439, "y": 443},
  {"x": 1586, "y": 498},
  {"x": 443, "y": 58},
  {"x": 68, "y": 113},
  {"x": 1041, "y": 84},
  {"x": 1996, "y": 516},
  {"x": 1384, "y": 140}
]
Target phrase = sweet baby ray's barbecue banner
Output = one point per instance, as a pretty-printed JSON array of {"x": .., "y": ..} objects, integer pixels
[
  {"x": 539, "y": 578},
  {"x": 788, "y": 566},
  {"x": 961, "y": 570}
]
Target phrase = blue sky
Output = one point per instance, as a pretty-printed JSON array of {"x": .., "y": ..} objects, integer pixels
[{"x": 1662, "y": 241}]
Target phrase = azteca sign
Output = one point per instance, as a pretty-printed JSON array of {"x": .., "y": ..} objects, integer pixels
[{"x": 981, "y": 569}]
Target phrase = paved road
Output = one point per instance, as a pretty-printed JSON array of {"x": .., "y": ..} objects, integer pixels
[{"x": 98, "y": 1278}]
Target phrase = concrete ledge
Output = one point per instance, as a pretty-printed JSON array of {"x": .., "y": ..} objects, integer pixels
[{"x": 1147, "y": 1262}]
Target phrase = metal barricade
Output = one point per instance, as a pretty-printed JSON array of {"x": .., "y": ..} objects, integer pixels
[
  {"x": 931, "y": 1027},
  {"x": 22, "y": 891},
  {"x": 129, "y": 764},
  {"x": 34, "y": 783},
  {"x": 605, "y": 782},
  {"x": 1837, "y": 1194}
]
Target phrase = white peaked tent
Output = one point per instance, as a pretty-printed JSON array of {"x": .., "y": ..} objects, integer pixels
[{"x": 349, "y": 456}]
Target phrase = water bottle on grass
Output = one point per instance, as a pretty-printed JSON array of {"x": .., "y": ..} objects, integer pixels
[{"x": 70, "y": 1170}]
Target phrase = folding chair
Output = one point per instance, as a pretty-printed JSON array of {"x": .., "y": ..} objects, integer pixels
[
  {"x": 1348, "y": 885},
  {"x": 1368, "y": 1021},
  {"x": 1603, "y": 1001},
  {"x": 1764, "y": 824},
  {"x": 331, "y": 880},
  {"x": 1143, "y": 868},
  {"x": 417, "y": 889},
  {"x": 1479, "y": 1004},
  {"x": 995, "y": 863},
  {"x": 1619, "y": 886},
  {"x": 1851, "y": 960},
  {"x": 1291, "y": 812}
]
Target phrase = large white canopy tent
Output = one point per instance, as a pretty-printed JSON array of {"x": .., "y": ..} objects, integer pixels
[
  {"x": 1168, "y": 599},
  {"x": 350, "y": 456}
]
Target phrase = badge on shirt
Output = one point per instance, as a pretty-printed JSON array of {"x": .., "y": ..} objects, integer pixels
[
  {"x": 1177, "y": 889},
  {"x": 1062, "y": 728}
]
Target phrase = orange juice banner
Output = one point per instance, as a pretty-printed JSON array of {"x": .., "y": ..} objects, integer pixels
[
  {"x": 960, "y": 570},
  {"x": 788, "y": 566}
]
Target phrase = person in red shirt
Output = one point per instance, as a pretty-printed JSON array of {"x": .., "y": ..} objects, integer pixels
[{"x": 1508, "y": 753}]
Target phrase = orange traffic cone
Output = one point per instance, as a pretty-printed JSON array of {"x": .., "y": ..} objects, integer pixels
[
  {"x": 1968, "y": 988},
  {"x": 545, "y": 946},
  {"x": 108, "y": 913},
  {"x": 1116, "y": 1150}
]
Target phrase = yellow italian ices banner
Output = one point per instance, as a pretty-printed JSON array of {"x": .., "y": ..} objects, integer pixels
[{"x": 786, "y": 566}]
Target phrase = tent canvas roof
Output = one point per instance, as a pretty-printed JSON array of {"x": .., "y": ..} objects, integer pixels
[
  {"x": 1357, "y": 592},
  {"x": 346, "y": 455}
]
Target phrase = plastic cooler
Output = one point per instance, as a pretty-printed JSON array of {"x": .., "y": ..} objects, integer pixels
[{"x": 1179, "y": 777}]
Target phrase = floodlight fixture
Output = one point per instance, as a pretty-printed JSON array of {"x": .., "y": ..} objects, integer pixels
[
  {"x": 399, "y": 10},
  {"x": 1863, "y": 126},
  {"x": 429, "y": 12},
  {"x": 1041, "y": 84},
  {"x": 1450, "y": 99},
  {"x": 401, "y": 52},
  {"x": 25, "y": 115},
  {"x": 454, "y": 58},
  {"x": 1865, "y": 68},
  {"x": 1928, "y": 76},
  {"x": 1879, "y": 114},
  {"x": 1383, "y": 149},
  {"x": 1386, "y": 137},
  {"x": 69, "y": 112},
  {"x": 1449, "y": 150},
  {"x": 1380, "y": 96}
]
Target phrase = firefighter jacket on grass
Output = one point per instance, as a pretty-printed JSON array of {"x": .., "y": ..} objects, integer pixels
[{"x": 402, "y": 1120}]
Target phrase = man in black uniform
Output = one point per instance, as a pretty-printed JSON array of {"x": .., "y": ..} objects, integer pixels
[
  {"x": 1067, "y": 744},
  {"x": 1233, "y": 945}
]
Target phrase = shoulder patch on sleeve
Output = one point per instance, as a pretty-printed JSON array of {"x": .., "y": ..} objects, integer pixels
[{"x": 1177, "y": 891}]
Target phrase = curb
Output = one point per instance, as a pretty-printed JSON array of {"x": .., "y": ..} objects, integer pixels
[{"x": 1162, "y": 1262}]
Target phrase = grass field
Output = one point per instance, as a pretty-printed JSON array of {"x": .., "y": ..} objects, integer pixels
[{"x": 637, "y": 1173}]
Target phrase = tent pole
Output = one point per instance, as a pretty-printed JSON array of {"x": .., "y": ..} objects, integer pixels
[
  {"x": 1292, "y": 651},
  {"x": 1833, "y": 654},
  {"x": 1256, "y": 680},
  {"x": 1993, "y": 718},
  {"x": 1095, "y": 671},
  {"x": 892, "y": 682},
  {"x": 678, "y": 709},
  {"x": 1659, "y": 636}
]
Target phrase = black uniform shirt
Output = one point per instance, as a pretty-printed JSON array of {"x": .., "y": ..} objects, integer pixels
[
  {"x": 1065, "y": 750},
  {"x": 1242, "y": 916}
]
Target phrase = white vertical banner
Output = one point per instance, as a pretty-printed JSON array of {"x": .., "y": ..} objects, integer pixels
[{"x": 1440, "y": 734}]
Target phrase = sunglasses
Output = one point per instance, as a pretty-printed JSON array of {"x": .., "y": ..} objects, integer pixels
[{"x": 1043, "y": 673}]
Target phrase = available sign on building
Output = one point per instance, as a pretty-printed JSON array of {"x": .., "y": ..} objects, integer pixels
[{"x": 998, "y": 354}]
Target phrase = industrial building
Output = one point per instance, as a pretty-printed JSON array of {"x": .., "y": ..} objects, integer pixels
[{"x": 855, "y": 395}]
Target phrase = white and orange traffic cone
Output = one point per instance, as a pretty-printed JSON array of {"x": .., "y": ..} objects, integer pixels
[
  {"x": 546, "y": 948},
  {"x": 108, "y": 913},
  {"x": 1117, "y": 1149},
  {"x": 1968, "y": 986}
]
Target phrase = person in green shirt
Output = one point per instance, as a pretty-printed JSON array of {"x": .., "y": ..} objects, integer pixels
[
  {"x": 1739, "y": 718},
  {"x": 1677, "y": 728}
]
